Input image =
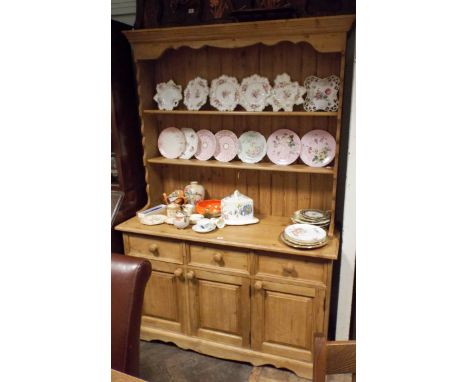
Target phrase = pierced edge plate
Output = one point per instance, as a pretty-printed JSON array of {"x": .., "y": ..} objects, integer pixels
[
  {"x": 252, "y": 100},
  {"x": 197, "y": 84},
  {"x": 221, "y": 81}
]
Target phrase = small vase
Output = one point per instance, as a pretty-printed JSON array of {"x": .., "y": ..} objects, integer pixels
[{"x": 194, "y": 192}]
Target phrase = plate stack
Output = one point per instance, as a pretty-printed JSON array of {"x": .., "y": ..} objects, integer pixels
[
  {"x": 318, "y": 218},
  {"x": 304, "y": 236}
]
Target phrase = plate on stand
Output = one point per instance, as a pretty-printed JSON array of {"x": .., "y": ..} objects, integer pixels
[
  {"x": 206, "y": 145},
  {"x": 224, "y": 93},
  {"x": 254, "y": 93},
  {"x": 191, "y": 146},
  {"x": 196, "y": 93},
  {"x": 318, "y": 148},
  {"x": 283, "y": 147},
  {"x": 171, "y": 142},
  {"x": 227, "y": 146},
  {"x": 252, "y": 147}
]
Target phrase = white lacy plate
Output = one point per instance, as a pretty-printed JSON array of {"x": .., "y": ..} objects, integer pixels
[
  {"x": 191, "y": 145},
  {"x": 227, "y": 146},
  {"x": 171, "y": 143},
  {"x": 224, "y": 93},
  {"x": 254, "y": 92},
  {"x": 322, "y": 93},
  {"x": 252, "y": 147},
  {"x": 168, "y": 95},
  {"x": 196, "y": 93},
  {"x": 285, "y": 94},
  {"x": 305, "y": 233}
]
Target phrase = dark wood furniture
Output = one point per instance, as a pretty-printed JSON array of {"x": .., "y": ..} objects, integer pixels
[{"x": 125, "y": 129}]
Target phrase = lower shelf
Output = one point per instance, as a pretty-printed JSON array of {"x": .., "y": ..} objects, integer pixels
[
  {"x": 236, "y": 164},
  {"x": 214, "y": 349}
]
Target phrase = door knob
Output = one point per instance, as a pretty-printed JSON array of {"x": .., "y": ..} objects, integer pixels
[
  {"x": 289, "y": 267},
  {"x": 258, "y": 285},
  {"x": 190, "y": 275},
  {"x": 178, "y": 272},
  {"x": 218, "y": 257},
  {"x": 153, "y": 248}
]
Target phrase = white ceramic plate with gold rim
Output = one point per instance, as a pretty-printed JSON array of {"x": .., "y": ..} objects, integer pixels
[{"x": 305, "y": 233}]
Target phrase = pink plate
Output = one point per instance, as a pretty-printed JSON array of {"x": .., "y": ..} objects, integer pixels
[
  {"x": 227, "y": 146},
  {"x": 283, "y": 147},
  {"x": 206, "y": 145},
  {"x": 171, "y": 142},
  {"x": 318, "y": 148}
]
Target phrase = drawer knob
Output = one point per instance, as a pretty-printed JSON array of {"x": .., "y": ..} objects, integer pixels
[
  {"x": 153, "y": 248},
  {"x": 218, "y": 257},
  {"x": 289, "y": 267},
  {"x": 258, "y": 285},
  {"x": 178, "y": 272},
  {"x": 190, "y": 275}
]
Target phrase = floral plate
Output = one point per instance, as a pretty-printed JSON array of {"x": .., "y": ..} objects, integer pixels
[
  {"x": 206, "y": 145},
  {"x": 305, "y": 233},
  {"x": 283, "y": 147},
  {"x": 171, "y": 143},
  {"x": 224, "y": 93},
  {"x": 285, "y": 94},
  {"x": 322, "y": 93},
  {"x": 302, "y": 246},
  {"x": 191, "y": 146},
  {"x": 168, "y": 95},
  {"x": 227, "y": 146},
  {"x": 318, "y": 148},
  {"x": 254, "y": 92},
  {"x": 252, "y": 147},
  {"x": 196, "y": 93}
]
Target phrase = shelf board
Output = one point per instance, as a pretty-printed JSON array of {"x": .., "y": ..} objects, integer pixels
[
  {"x": 263, "y": 236},
  {"x": 243, "y": 113},
  {"x": 262, "y": 166}
]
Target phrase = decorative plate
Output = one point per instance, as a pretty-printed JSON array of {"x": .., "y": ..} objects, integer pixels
[
  {"x": 196, "y": 93},
  {"x": 285, "y": 94},
  {"x": 305, "y": 233},
  {"x": 191, "y": 146},
  {"x": 283, "y": 147},
  {"x": 154, "y": 219},
  {"x": 318, "y": 148},
  {"x": 168, "y": 95},
  {"x": 302, "y": 246},
  {"x": 252, "y": 147},
  {"x": 224, "y": 93},
  {"x": 322, "y": 93},
  {"x": 171, "y": 142},
  {"x": 254, "y": 92},
  {"x": 227, "y": 146},
  {"x": 206, "y": 145}
]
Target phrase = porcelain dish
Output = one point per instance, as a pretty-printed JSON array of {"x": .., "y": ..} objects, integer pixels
[
  {"x": 238, "y": 209},
  {"x": 206, "y": 145},
  {"x": 171, "y": 143},
  {"x": 305, "y": 233},
  {"x": 227, "y": 146},
  {"x": 224, "y": 93},
  {"x": 153, "y": 219},
  {"x": 290, "y": 243},
  {"x": 285, "y": 94},
  {"x": 191, "y": 143},
  {"x": 318, "y": 148},
  {"x": 254, "y": 92},
  {"x": 283, "y": 147},
  {"x": 196, "y": 93},
  {"x": 168, "y": 95},
  {"x": 252, "y": 147},
  {"x": 322, "y": 93}
]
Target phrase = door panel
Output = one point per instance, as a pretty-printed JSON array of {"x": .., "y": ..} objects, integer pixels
[
  {"x": 284, "y": 319},
  {"x": 219, "y": 307},
  {"x": 163, "y": 302}
]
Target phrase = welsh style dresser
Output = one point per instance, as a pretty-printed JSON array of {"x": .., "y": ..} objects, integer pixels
[{"x": 238, "y": 293}]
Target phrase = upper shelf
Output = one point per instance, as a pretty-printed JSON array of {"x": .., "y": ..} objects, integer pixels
[{"x": 242, "y": 113}]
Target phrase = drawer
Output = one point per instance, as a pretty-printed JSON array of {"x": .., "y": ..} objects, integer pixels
[
  {"x": 155, "y": 248},
  {"x": 291, "y": 267},
  {"x": 219, "y": 257}
]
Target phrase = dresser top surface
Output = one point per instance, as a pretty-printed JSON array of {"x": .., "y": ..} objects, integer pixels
[{"x": 263, "y": 236}]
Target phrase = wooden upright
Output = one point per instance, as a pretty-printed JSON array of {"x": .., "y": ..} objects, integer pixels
[{"x": 238, "y": 292}]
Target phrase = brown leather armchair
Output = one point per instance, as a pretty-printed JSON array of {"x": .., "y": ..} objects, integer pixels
[{"x": 129, "y": 276}]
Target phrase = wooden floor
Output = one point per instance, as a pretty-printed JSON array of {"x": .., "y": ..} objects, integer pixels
[{"x": 161, "y": 362}]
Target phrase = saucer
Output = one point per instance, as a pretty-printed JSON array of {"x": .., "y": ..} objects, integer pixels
[
  {"x": 243, "y": 222},
  {"x": 199, "y": 229},
  {"x": 153, "y": 219}
]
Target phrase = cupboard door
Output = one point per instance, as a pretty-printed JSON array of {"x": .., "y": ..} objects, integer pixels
[
  {"x": 163, "y": 304},
  {"x": 285, "y": 317},
  {"x": 219, "y": 307}
]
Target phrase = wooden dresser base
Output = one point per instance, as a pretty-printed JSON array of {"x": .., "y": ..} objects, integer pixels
[{"x": 214, "y": 349}]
